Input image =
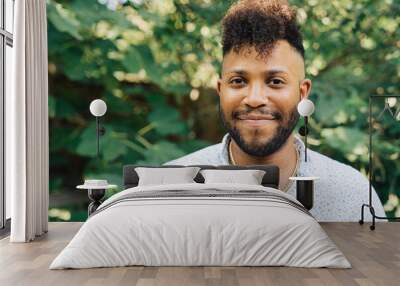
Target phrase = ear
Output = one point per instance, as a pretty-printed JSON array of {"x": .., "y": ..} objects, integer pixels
[
  {"x": 305, "y": 88},
  {"x": 219, "y": 83}
]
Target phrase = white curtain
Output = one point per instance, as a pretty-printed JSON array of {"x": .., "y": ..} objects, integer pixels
[{"x": 27, "y": 157}]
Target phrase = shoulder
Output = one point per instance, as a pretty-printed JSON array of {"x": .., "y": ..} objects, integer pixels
[
  {"x": 331, "y": 168},
  {"x": 337, "y": 180},
  {"x": 340, "y": 190},
  {"x": 210, "y": 155}
]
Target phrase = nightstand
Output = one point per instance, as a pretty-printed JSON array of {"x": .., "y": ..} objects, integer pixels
[
  {"x": 305, "y": 190},
  {"x": 96, "y": 191}
]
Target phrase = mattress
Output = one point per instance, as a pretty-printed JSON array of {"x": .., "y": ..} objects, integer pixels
[{"x": 201, "y": 225}]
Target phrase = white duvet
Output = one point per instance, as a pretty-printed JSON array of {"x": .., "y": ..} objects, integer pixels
[{"x": 206, "y": 230}]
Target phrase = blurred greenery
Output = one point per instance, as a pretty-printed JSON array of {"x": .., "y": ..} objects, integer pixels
[{"x": 156, "y": 63}]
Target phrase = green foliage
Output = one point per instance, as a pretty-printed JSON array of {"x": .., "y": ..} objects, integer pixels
[{"x": 145, "y": 59}]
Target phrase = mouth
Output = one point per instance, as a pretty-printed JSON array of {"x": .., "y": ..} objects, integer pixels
[
  {"x": 257, "y": 120},
  {"x": 256, "y": 117}
]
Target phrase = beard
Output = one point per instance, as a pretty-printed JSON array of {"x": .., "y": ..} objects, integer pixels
[{"x": 278, "y": 139}]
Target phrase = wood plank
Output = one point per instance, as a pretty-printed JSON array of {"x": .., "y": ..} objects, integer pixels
[{"x": 374, "y": 255}]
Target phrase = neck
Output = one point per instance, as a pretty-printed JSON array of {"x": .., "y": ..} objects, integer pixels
[{"x": 284, "y": 158}]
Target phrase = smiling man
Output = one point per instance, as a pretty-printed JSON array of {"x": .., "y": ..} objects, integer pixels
[{"x": 262, "y": 81}]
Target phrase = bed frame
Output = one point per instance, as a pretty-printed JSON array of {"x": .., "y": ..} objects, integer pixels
[{"x": 270, "y": 179}]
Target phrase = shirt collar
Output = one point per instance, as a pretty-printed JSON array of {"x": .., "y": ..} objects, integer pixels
[{"x": 224, "y": 153}]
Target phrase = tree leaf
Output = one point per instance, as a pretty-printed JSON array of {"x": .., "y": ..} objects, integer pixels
[
  {"x": 167, "y": 121},
  {"x": 161, "y": 152},
  {"x": 63, "y": 19}
]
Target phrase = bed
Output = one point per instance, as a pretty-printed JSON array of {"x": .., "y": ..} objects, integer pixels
[{"x": 201, "y": 223}]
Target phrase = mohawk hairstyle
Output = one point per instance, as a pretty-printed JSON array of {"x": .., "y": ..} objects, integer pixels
[{"x": 260, "y": 24}]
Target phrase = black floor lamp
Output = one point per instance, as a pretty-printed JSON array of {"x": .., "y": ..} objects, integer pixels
[{"x": 370, "y": 167}]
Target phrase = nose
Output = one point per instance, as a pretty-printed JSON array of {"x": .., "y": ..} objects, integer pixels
[{"x": 256, "y": 96}]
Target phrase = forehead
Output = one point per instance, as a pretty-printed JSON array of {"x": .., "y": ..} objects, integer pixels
[{"x": 282, "y": 57}]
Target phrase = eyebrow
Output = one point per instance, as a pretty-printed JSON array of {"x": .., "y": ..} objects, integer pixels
[{"x": 267, "y": 72}]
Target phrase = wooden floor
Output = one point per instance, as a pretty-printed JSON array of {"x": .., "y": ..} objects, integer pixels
[{"x": 374, "y": 255}]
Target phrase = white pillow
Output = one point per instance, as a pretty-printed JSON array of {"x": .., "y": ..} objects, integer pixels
[
  {"x": 249, "y": 177},
  {"x": 162, "y": 176}
]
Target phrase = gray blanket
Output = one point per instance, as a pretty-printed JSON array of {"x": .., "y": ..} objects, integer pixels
[{"x": 201, "y": 224}]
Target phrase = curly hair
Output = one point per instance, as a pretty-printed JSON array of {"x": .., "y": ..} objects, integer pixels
[{"x": 260, "y": 24}]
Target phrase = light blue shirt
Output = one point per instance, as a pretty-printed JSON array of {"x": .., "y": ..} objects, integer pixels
[{"x": 338, "y": 193}]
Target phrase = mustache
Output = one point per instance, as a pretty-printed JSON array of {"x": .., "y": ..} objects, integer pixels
[{"x": 277, "y": 115}]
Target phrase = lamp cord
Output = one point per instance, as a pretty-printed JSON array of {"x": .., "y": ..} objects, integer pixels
[{"x": 97, "y": 136}]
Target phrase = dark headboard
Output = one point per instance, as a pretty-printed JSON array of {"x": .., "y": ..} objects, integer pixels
[{"x": 270, "y": 179}]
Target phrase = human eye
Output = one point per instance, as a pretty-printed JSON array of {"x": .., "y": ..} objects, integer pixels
[
  {"x": 276, "y": 82},
  {"x": 237, "y": 81}
]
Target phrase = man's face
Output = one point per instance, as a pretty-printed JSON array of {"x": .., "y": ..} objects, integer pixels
[{"x": 259, "y": 96}]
